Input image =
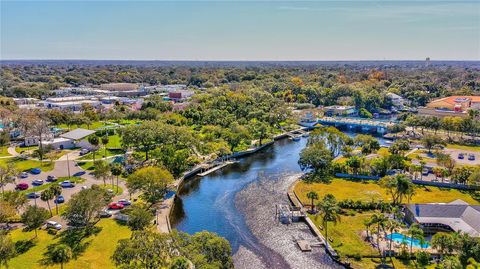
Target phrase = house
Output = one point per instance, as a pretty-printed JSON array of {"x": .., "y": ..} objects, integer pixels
[
  {"x": 456, "y": 216},
  {"x": 339, "y": 110},
  {"x": 397, "y": 100},
  {"x": 78, "y": 137},
  {"x": 35, "y": 140}
]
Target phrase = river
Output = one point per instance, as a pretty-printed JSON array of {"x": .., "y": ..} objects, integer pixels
[{"x": 238, "y": 203}]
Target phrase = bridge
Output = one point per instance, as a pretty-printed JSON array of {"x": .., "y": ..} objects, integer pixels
[{"x": 367, "y": 125}]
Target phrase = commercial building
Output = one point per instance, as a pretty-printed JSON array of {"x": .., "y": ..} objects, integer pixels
[
  {"x": 180, "y": 95},
  {"x": 456, "y": 216},
  {"x": 73, "y": 103},
  {"x": 123, "y": 89},
  {"x": 451, "y": 106}
]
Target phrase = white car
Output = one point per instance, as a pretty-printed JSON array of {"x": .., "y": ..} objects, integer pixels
[
  {"x": 54, "y": 224},
  {"x": 84, "y": 187}
]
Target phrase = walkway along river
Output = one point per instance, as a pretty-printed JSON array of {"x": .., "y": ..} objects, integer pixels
[{"x": 238, "y": 203}]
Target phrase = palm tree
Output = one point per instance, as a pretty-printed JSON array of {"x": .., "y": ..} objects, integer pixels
[
  {"x": 102, "y": 171},
  {"x": 93, "y": 140},
  {"x": 379, "y": 220},
  {"x": 415, "y": 233},
  {"x": 312, "y": 196},
  {"x": 330, "y": 212},
  {"x": 60, "y": 254},
  {"x": 56, "y": 191},
  {"x": 104, "y": 143},
  {"x": 46, "y": 196},
  {"x": 117, "y": 169},
  {"x": 392, "y": 226},
  {"x": 367, "y": 223}
]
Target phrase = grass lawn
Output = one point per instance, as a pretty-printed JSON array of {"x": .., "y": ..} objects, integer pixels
[
  {"x": 368, "y": 190},
  {"x": 114, "y": 141},
  {"x": 97, "y": 255},
  {"x": 111, "y": 187},
  {"x": 92, "y": 126},
  {"x": 86, "y": 165},
  {"x": 48, "y": 184},
  {"x": 25, "y": 165},
  {"x": 100, "y": 153},
  {"x": 22, "y": 149},
  {"x": 4, "y": 151},
  {"x": 346, "y": 234},
  {"x": 463, "y": 147}
]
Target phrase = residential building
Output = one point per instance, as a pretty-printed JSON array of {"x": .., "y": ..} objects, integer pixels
[
  {"x": 456, "y": 216},
  {"x": 397, "y": 101}
]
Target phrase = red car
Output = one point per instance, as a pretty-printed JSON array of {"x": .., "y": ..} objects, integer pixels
[
  {"x": 22, "y": 186},
  {"x": 115, "y": 206}
]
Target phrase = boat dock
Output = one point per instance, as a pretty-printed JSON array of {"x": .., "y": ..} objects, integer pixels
[{"x": 215, "y": 167}]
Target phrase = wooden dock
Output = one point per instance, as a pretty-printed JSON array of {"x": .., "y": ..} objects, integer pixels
[{"x": 215, "y": 168}]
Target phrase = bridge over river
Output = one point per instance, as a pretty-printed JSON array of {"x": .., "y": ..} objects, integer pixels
[{"x": 366, "y": 125}]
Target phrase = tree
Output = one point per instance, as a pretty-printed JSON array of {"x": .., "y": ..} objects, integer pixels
[
  {"x": 461, "y": 174},
  {"x": 34, "y": 217},
  {"x": 102, "y": 171},
  {"x": 443, "y": 242},
  {"x": 415, "y": 232},
  {"x": 16, "y": 199},
  {"x": 58, "y": 254},
  {"x": 398, "y": 186},
  {"x": 368, "y": 143},
  {"x": 312, "y": 196},
  {"x": 392, "y": 226},
  {"x": 399, "y": 147},
  {"x": 139, "y": 218},
  {"x": 355, "y": 163},
  {"x": 7, "y": 175},
  {"x": 104, "y": 143},
  {"x": 329, "y": 212},
  {"x": 93, "y": 140},
  {"x": 143, "y": 136},
  {"x": 318, "y": 159},
  {"x": 56, "y": 191},
  {"x": 423, "y": 259},
  {"x": 151, "y": 181},
  {"x": 180, "y": 263},
  {"x": 430, "y": 141},
  {"x": 46, "y": 196},
  {"x": 116, "y": 169},
  {"x": 83, "y": 207},
  {"x": 7, "y": 249},
  {"x": 380, "y": 220}
]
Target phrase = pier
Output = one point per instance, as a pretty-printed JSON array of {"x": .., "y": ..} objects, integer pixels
[{"x": 215, "y": 167}]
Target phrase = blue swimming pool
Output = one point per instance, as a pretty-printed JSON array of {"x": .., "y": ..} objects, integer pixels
[{"x": 400, "y": 238}]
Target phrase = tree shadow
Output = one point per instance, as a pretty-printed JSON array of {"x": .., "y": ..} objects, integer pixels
[{"x": 23, "y": 246}]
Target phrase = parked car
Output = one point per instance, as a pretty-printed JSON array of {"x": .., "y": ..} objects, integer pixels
[
  {"x": 23, "y": 175},
  {"x": 461, "y": 156},
  {"x": 37, "y": 182},
  {"x": 115, "y": 206},
  {"x": 471, "y": 157},
  {"x": 33, "y": 195},
  {"x": 124, "y": 202},
  {"x": 84, "y": 187},
  {"x": 51, "y": 178},
  {"x": 35, "y": 171},
  {"x": 54, "y": 224},
  {"x": 59, "y": 200},
  {"x": 84, "y": 151},
  {"x": 21, "y": 186},
  {"x": 67, "y": 184},
  {"x": 425, "y": 171},
  {"x": 104, "y": 214}
]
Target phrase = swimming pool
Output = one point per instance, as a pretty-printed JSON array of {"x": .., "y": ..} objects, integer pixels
[{"x": 400, "y": 238}]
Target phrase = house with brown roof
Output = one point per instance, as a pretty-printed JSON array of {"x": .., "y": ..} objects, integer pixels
[{"x": 456, "y": 105}]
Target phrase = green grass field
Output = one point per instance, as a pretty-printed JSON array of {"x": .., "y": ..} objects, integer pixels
[
  {"x": 111, "y": 187},
  {"x": 4, "y": 151},
  {"x": 25, "y": 165},
  {"x": 368, "y": 190},
  {"x": 100, "y": 154},
  {"x": 22, "y": 149},
  {"x": 97, "y": 255},
  {"x": 463, "y": 147}
]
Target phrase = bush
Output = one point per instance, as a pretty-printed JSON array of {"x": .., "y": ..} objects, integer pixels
[
  {"x": 52, "y": 231},
  {"x": 423, "y": 258}
]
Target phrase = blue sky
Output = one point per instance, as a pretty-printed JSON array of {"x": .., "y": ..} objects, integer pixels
[{"x": 240, "y": 30}]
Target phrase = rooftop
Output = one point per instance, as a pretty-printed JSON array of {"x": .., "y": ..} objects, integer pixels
[
  {"x": 458, "y": 215},
  {"x": 77, "y": 134}
]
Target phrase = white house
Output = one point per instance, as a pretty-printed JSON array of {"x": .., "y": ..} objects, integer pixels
[{"x": 79, "y": 138}]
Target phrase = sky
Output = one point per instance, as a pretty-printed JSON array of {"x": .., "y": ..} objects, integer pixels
[{"x": 240, "y": 30}]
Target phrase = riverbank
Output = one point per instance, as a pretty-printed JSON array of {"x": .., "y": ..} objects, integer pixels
[{"x": 275, "y": 240}]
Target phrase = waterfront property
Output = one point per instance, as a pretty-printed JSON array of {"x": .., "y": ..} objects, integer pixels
[
  {"x": 456, "y": 216},
  {"x": 401, "y": 238}
]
